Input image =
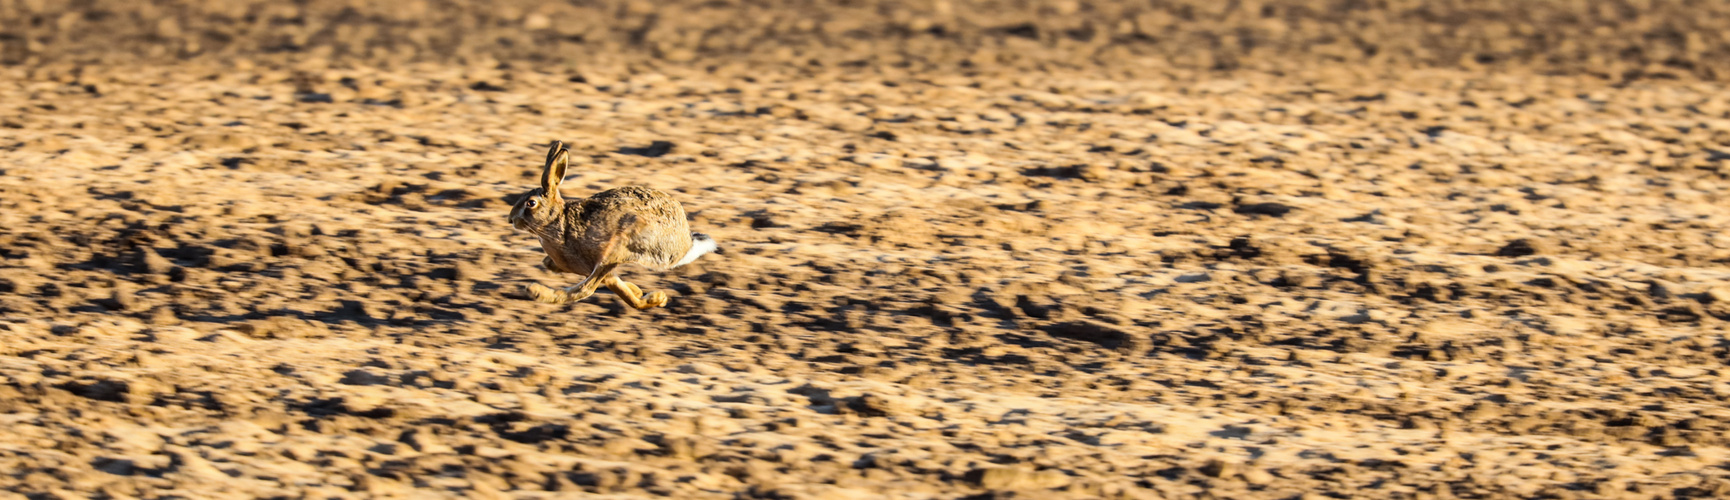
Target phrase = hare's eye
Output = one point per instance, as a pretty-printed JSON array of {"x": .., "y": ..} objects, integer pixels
[{"x": 532, "y": 202}]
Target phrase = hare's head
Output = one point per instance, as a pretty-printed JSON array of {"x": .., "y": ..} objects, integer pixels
[{"x": 541, "y": 207}]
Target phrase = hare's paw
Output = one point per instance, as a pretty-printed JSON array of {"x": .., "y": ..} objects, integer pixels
[
  {"x": 544, "y": 294},
  {"x": 655, "y": 299}
]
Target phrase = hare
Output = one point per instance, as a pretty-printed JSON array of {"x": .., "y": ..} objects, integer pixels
[{"x": 595, "y": 235}]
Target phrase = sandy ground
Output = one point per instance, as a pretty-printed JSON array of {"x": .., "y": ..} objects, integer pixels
[{"x": 290, "y": 275}]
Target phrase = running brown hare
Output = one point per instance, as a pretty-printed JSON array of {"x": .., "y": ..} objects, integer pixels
[{"x": 593, "y": 236}]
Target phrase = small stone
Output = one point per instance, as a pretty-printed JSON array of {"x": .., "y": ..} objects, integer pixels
[
  {"x": 1521, "y": 248},
  {"x": 699, "y": 368},
  {"x": 1299, "y": 278},
  {"x": 1269, "y": 209},
  {"x": 424, "y": 441},
  {"x": 125, "y": 297},
  {"x": 1093, "y": 173},
  {"x": 873, "y": 405},
  {"x": 163, "y": 316},
  {"x": 275, "y": 327},
  {"x": 1660, "y": 289},
  {"x": 1219, "y": 468},
  {"x": 363, "y": 377},
  {"x": 153, "y": 262},
  {"x": 465, "y": 271}
]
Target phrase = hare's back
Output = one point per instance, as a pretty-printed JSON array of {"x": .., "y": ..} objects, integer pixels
[
  {"x": 658, "y": 207},
  {"x": 666, "y": 236}
]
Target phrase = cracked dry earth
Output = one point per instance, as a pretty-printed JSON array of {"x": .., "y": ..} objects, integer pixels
[{"x": 250, "y": 282}]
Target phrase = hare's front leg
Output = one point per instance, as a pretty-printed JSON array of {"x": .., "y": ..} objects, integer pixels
[
  {"x": 633, "y": 296},
  {"x": 543, "y": 294}
]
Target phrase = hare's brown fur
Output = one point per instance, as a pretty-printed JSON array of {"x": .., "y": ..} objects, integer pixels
[
  {"x": 593, "y": 236},
  {"x": 663, "y": 239}
]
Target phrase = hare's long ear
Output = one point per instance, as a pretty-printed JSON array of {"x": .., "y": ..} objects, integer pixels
[
  {"x": 554, "y": 151},
  {"x": 557, "y": 159}
]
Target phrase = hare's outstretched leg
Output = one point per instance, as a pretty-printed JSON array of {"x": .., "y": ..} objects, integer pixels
[
  {"x": 633, "y": 286},
  {"x": 601, "y": 274},
  {"x": 633, "y": 296},
  {"x": 582, "y": 290}
]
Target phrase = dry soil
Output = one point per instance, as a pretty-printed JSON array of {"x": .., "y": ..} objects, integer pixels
[{"x": 974, "y": 250}]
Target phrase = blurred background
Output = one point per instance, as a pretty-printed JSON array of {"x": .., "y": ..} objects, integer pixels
[
  {"x": 1616, "y": 38},
  {"x": 1154, "y": 249}
]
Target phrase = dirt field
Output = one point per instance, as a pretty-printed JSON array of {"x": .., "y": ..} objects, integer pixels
[{"x": 1281, "y": 249}]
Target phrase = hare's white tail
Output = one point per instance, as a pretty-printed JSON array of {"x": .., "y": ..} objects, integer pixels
[{"x": 700, "y": 244}]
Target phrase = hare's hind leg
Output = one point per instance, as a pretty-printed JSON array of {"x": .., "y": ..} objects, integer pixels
[
  {"x": 654, "y": 299},
  {"x": 542, "y": 293},
  {"x": 633, "y": 296}
]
